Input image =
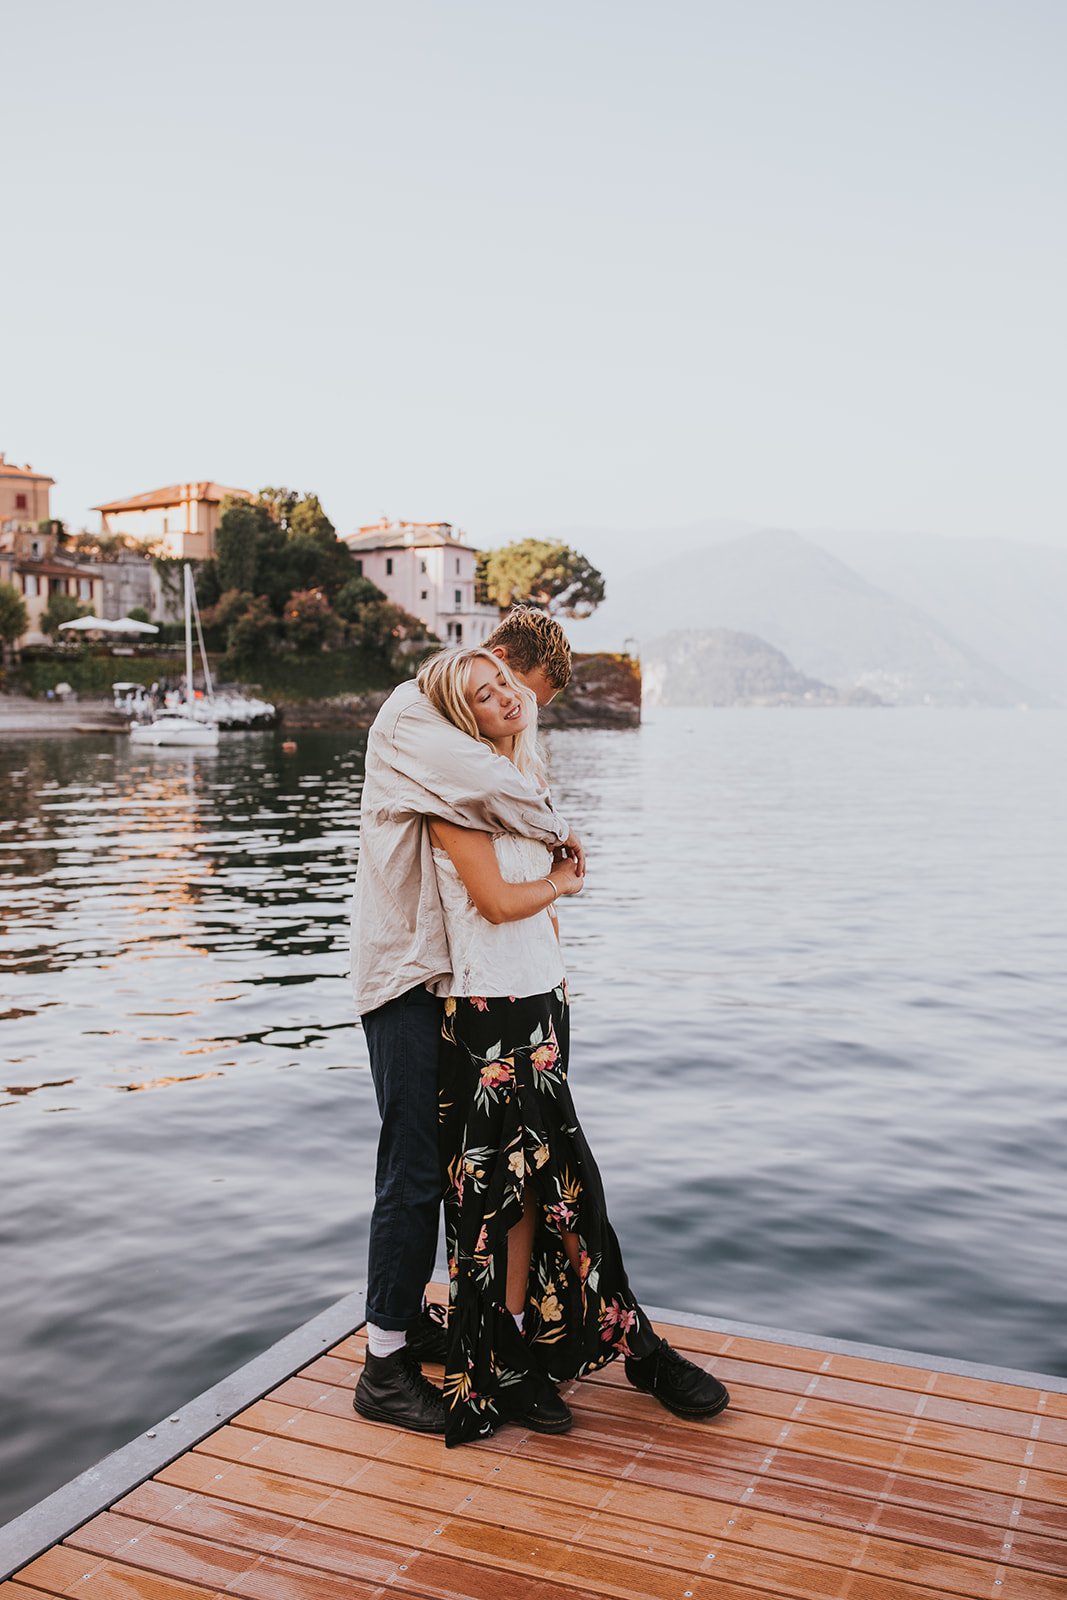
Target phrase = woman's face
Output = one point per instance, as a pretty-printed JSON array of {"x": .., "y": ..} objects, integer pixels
[{"x": 498, "y": 710}]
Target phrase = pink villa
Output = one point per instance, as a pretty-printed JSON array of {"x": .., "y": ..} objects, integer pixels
[
  {"x": 180, "y": 520},
  {"x": 428, "y": 569}
]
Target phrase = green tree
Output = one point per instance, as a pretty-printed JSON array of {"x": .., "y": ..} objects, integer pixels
[
  {"x": 254, "y": 633},
  {"x": 241, "y": 527},
  {"x": 387, "y": 630},
  {"x": 353, "y": 596},
  {"x": 61, "y": 608},
  {"x": 539, "y": 573},
  {"x": 307, "y": 519},
  {"x": 279, "y": 505},
  {"x": 310, "y": 622},
  {"x": 139, "y": 614},
  {"x": 14, "y": 618}
]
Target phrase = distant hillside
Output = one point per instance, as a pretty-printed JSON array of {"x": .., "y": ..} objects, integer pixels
[
  {"x": 719, "y": 667},
  {"x": 832, "y": 624},
  {"x": 1006, "y": 599}
]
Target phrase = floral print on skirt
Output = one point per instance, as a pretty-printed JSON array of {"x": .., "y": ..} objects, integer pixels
[{"x": 507, "y": 1120}]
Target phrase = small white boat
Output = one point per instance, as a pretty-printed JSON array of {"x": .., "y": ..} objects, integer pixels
[
  {"x": 172, "y": 728},
  {"x": 193, "y": 723}
]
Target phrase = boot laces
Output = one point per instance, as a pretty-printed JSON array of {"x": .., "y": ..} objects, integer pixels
[{"x": 416, "y": 1380}]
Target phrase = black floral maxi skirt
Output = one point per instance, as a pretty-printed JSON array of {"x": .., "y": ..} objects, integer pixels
[{"x": 506, "y": 1121}]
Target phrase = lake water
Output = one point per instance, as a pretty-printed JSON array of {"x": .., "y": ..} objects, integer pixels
[{"x": 819, "y": 1042}]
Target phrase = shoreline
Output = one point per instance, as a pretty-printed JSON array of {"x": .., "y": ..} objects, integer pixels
[{"x": 24, "y": 717}]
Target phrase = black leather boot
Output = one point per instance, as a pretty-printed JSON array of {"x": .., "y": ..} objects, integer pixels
[
  {"x": 677, "y": 1383},
  {"x": 393, "y": 1389},
  {"x": 549, "y": 1412}
]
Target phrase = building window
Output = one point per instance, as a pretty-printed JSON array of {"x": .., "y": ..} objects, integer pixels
[
  {"x": 359, "y": 567},
  {"x": 459, "y": 598},
  {"x": 20, "y": 502},
  {"x": 457, "y": 566},
  {"x": 422, "y": 568},
  {"x": 425, "y": 595},
  {"x": 388, "y": 566},
  {"x": 85, "y": 588},
  {"x": 459, "y": 632},
  {"x": 29, "y": 584},
  {"x": 35, "y": 549}
]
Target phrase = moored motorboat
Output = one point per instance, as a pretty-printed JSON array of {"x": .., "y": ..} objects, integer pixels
[{"x": 174, "y": 728}]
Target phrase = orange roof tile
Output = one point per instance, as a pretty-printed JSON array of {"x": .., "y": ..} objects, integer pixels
[
  {"x": 8, "y": 469},
  {"x": 175, "y": 494}
]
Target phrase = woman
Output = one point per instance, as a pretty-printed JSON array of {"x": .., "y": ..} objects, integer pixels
[{"x": 538, "y": 1290}]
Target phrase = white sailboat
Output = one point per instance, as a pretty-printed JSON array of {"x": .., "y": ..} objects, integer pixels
[{"x": 191, "y": 724}]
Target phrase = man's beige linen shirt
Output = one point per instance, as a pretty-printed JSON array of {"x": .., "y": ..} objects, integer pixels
[{"x": 419, "y": 766}]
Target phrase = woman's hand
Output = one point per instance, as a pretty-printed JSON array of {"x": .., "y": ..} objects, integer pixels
[{"x": 566, "y": 877}]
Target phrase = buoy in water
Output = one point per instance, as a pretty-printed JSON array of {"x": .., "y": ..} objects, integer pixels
[{"x": 288, "y": 745}]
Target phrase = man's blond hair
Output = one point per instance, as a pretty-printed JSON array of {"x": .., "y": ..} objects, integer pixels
[{"x": 533, "y": 639}]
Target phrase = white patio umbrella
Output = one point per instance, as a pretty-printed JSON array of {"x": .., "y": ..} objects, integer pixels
[
  {"x": 131, "y": 625},
  {"x": 104, "y": 625},
  {"x": 86, "y": 625}
]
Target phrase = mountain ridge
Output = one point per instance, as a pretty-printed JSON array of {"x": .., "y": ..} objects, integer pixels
[{"x": 830, "y": 620}]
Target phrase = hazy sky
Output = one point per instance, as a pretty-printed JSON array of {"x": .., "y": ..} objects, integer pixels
[{"x": 537, "y": 266}]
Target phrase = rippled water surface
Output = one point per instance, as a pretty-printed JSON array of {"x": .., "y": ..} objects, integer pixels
[{"x": 820, "y": 1033}]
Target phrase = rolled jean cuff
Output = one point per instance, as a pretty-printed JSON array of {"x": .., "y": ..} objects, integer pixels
[{"x": 389, "y": 1324}]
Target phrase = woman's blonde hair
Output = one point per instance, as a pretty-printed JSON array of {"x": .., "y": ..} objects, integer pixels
[{"x": 445, "y": 679}]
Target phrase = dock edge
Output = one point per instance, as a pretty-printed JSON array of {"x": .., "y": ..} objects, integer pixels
[{"x": 95, "y": 1490}]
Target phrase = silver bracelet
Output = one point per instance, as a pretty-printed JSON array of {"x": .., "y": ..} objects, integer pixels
[{"x": 555, "y": 888}]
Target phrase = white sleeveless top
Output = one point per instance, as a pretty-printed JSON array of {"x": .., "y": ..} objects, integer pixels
[{"x": 505, "y": 958}]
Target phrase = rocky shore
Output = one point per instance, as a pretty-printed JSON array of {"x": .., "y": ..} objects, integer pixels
[{"x": 604, "y": 692}]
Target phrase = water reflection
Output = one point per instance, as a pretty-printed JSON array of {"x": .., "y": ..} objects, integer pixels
[{"x": 818, "y": 1036}]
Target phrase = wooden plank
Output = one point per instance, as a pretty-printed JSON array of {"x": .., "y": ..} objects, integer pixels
[
  {"x": 71, "y": 1572},
  {"x": 258, "y": 1530},
  {"x": 833, "y": 1476},
  {"x": 634, "y": 1492},
  {"x": 767, "y": 1384},
  {"x": 655, "y": 1575},
  {"x": 13, "y": 1590},
  {"x": 608, "y": 1527},
  {"x": 946, "y": 1461},
  {"x": 784, "y": 1470}
]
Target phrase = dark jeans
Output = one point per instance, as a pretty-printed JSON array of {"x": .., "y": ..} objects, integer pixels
[{"x": 403, "y": 1039}]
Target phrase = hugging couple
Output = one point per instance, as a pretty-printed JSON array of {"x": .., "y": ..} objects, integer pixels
[{"x": 460, "y": 984}]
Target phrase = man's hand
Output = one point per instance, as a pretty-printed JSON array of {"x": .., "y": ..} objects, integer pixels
[{"x": 572, "y": 850}]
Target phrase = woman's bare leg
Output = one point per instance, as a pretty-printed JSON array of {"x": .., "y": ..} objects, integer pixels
[{"x": 520, "y": 1251}]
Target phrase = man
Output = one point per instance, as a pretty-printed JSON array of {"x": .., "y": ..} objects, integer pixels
[{"x": 420, "y": 766}]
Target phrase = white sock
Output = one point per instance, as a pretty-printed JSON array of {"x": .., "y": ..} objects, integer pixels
[
  {"x": 385, "y": 1341},
  {"x": 518, "y": 1316}
]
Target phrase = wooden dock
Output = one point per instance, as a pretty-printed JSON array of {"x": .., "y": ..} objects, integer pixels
[{"x": 837, "y": 1472}]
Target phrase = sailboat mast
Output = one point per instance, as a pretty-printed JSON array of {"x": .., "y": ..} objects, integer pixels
[{"x": 189, "y": 696}]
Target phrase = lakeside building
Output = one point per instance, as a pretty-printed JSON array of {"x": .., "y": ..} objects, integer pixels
[
  {"x": 428, "y": 569},
  {"x": 32, "y": 559},
  {"x": 24, "y": 497},
  {"x": 181, "y": 520},
  {"x": 38, "y": 567}
]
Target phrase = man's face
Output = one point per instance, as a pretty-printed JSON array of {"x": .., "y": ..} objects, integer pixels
[{"x": 536, "y": 679}]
